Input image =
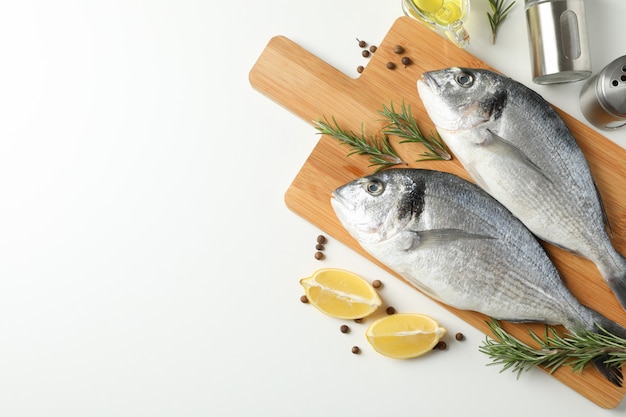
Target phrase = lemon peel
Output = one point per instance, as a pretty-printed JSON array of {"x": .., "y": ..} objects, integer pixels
[
  {"x": 404, "y": 335},
  {"x": 340, "y": 293}
]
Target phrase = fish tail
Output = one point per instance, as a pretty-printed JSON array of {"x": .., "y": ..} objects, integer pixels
[
  {"x": 618, "y": 286},
  {"x": 612, "y": 266},
  {"x": 610, "y": 371}
]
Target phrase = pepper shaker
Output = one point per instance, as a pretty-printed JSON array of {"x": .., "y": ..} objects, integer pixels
[
  {"x": 603, "y": 97},
  {"x": 557, "y": 33}
]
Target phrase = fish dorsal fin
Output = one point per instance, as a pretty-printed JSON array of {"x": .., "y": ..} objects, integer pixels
[
  {"x": 425, "y": 239},
  {"x": 503, "y": 147}
]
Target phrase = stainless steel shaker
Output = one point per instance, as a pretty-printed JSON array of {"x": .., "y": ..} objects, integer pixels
[
  {"x": 557, "y": 33},
  {"x": 603, "y": 97}
]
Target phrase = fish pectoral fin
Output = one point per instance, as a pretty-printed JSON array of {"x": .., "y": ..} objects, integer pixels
[
  {"x": 424, "y": 239},
  {"x": 502, "y": 146},
  {"x": 605, "y": 217}
]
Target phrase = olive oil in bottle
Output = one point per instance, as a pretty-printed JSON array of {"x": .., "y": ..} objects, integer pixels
[
  {"x": 444, "y": 16},
  {"x": 442, "y": 12}
]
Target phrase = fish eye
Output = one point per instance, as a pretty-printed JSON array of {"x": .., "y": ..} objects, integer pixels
[
  {"x": 374, "y": 187},
  {"x": 464, "y": 79}
]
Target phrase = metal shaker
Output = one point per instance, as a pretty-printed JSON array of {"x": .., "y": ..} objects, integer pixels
[
  {"x": 557, "y": 33},
  {"x": 603, "y": 97}
]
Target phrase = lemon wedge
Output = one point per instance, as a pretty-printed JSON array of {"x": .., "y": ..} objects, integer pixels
[
  {"x": 403, "y": 336},
  {"x": 341, "y": 294}
]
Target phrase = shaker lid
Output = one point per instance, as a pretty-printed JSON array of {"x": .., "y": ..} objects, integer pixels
[{"x": 612, "y": 87}]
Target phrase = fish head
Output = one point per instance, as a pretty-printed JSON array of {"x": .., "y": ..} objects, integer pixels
[
  {"x": 459, "y": 99},
  {"x": 375, "y": 208}
]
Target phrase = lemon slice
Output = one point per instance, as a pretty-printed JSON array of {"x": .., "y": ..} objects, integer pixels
[
  {"x": 404, "y": 336},
  {"x": 340, "y": 293}
]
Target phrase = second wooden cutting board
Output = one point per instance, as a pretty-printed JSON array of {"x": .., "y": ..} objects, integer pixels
[{"x": 313, "y": 89}]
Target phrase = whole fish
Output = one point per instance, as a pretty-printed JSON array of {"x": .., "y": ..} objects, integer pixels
[
  {"x": 515, "y": 146},
  {"x": 456, "y": 243}
]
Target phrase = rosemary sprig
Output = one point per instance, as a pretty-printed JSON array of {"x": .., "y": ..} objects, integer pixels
[
  {"x": 500, "y": 12},
  {"x": 576, "y": 350},
  {"x": 381, "y": 153},
  {"x": 404, "y": 126}
]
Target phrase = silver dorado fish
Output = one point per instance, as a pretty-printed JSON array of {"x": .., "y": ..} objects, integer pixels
[
  {"x": 456, "y": 243},
  {"x": 516, "y": 147}
]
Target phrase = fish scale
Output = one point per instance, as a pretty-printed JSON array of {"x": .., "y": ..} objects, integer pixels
[
  {"x": 415, "y": 222},
  {"x": 523, "y": 154}
]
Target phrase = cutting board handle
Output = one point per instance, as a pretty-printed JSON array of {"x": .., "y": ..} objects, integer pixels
[{"x": 307, "y": 85}]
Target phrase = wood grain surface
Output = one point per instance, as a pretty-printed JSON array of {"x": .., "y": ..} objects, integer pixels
[{"x": 312, "y": 89}]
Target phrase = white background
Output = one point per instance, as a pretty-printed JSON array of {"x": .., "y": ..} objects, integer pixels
[{"x": 148, "y": 264}]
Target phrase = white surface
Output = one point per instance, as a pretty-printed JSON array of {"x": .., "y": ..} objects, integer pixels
[{"x": 148, "y": 264}]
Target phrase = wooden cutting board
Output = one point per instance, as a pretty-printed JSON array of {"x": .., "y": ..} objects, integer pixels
[{"x": 313, "y": 89}]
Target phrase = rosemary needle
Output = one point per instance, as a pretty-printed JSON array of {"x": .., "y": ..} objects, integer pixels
[
  {"x": 404, "y": 126},
  {"x": 575, "y": 350},
  {"x": 381, "y": 152},
  {"x": 500, "y": 12}
]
